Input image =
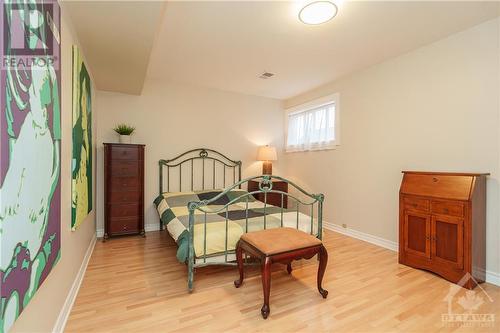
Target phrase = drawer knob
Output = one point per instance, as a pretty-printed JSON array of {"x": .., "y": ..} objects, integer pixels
[
  {"x": 434, "y": 179},
  {"x": 446, "y": 210}
]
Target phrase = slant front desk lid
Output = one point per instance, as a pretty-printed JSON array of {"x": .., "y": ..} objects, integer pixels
[{"x": 456, "y": 186}]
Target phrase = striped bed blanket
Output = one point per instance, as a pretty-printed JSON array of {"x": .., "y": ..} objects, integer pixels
[{"x": 174, "y": 214}]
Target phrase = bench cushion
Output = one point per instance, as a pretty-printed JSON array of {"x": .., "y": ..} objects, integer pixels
[{"x": 279, "y": 240}]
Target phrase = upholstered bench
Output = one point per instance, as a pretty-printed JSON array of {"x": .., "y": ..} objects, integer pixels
[{"x": 280, "y": 245}]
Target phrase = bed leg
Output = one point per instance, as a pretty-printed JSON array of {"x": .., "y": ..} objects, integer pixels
[
  {"x": 190, "y": 274},
  {"x": 190, "y": 278}
]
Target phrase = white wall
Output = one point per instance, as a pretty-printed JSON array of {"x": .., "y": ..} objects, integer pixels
[
  {"x": 173, "y": 118},
  {"x": 42, "y": 312},
  {"x": 435, "y": 108}
]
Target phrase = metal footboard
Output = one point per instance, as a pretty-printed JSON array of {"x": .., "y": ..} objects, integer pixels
[{"x": 265, "y": 187}]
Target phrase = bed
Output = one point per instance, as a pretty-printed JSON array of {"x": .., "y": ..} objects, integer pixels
[{"x": 204, "y": 206}]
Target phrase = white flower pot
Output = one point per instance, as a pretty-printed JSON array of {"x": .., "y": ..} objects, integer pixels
[{"x": 125, "y": 139}]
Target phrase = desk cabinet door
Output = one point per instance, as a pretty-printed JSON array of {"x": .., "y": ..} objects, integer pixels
[
  {"x": 417, "y": 232},
  {"x": 448, "y": 240}
]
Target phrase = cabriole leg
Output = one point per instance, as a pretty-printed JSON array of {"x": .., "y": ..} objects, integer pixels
[
  {"x": 266, "y": 286},
  {"x": 239, "y": 259},
  {"x": 323, "y": 260}
]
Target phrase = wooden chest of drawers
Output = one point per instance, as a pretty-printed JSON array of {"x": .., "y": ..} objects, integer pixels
[
  {"x": 123, "y": 189},
  {"x": 442, "y": 224}
]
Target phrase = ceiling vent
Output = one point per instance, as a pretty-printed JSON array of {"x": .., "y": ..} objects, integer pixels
[{"x": 266, "y": 75}]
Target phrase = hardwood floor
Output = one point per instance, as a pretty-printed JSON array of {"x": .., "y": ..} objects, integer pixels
[{"x": 135, "y": 284}]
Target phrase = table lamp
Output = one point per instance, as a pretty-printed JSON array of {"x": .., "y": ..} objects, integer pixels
[{"x": 267, "y": 154}]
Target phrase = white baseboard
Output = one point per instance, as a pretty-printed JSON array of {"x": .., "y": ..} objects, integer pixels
[
  {"x": 147, "y": 228},
  {"x": 362, "y": 236},
  {"x": 491, "y": 277},
  {"x": 73, "y": 292},
  {"x": 152, "y": 227}
]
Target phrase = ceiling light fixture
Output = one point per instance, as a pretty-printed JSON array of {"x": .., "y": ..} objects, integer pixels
[{"x": 318, "y": 12}]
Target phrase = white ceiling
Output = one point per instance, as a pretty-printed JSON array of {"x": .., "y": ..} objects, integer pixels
[
  {"x": 227, "y": 45},
  {"x": 117, "y": 38}
]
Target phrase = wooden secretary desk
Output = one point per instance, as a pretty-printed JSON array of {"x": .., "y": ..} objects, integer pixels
[
  {"x": 123, "y": 189},
  {"x": 442, "y": 224}
]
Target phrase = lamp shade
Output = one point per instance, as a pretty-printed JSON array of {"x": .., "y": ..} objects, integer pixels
[{"x": 267, "y": 153}]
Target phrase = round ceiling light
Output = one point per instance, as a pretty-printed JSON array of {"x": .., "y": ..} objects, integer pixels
[{"x": 318, "y": 12}]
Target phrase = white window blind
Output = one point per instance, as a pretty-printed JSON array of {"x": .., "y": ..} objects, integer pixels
[{"x": 312, "y": 128}]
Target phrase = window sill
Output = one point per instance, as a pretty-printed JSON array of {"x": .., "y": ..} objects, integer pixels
[{"x": 310, "y": 150}]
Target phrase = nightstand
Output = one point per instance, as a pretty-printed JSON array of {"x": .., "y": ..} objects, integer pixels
[{"x": 272, "y": 198}]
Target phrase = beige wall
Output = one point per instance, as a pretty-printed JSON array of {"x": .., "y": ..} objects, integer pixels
[
  {"x": 435, "y": 108},
  {"x": 498, "y": 196},
  {"x": 41, "y": 313},
  {"x": 173, "y": 118}
]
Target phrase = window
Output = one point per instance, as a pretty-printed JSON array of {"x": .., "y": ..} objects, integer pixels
[{"x": 313, "y": 126}]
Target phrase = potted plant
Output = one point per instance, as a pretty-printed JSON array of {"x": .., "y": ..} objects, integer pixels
[{"x": 125, "y": 131}]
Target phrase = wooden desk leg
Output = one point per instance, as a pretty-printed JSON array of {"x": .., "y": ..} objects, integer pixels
[
  {"x": 239, "y": 259},
  {"x": 266, "y": 286},
  {"x": 323, "y": 260}
]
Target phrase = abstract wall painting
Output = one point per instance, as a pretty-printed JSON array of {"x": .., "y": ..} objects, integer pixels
[
  {"x": 30, "y": 145},
  {"x": 81, "y": 166}
]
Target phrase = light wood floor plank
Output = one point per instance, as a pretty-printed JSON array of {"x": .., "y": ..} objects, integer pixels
[{"x": 135, "y": 284}]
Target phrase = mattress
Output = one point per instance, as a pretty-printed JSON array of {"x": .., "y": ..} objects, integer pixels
[{"x": 244, "y": 214}]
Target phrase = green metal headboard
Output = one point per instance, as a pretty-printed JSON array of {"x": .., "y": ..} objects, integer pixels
[{"x": 206, "y": 156}]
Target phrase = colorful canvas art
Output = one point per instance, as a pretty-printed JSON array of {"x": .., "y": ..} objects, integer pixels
[
  {"x": 81, "y": 201},
  {"x": 30, "y": 162}
]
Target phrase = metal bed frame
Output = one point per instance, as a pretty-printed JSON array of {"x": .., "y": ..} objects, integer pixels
[
  {"x": 265, "y": 187},
  {"x": 203, "y": 154}
]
